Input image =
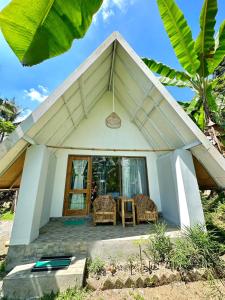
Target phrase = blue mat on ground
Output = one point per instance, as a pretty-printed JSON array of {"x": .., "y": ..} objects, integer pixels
[{"x": 75, "y": 222}]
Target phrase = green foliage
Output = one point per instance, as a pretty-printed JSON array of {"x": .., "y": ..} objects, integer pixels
[
  {"x": 199, "y": 60},
  {"x": 207, "y": 249},
  {"x": 214, "y": 211},
  {"x": 220, "y": 49},
  {"x": 75, "y": 294},
  {"x": 38, "y": 30},
  {"x": 6, "y": 126},
  {"x": 164, "y": 70},
  {"x": 136, "y": 296},
  {"x": 9, "y": 112},
  {"x": 180, "y": 35},
  {"x": 2, "y": 266},
  {"x": 159, "y": 245},
  {"x": 8, "y": 216},
  {"x": 96, "y": 266},
  {"x": 205, "y": 43},
  {"x": 182, "y": 256}
]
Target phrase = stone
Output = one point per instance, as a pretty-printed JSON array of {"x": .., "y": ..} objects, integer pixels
[
  {"x": 163, "y": 280},
  {"x": 118, "y": 284},
  {"x": 92, "y": 284},
  {"x": 151, "y": 281},
  {"x": 139, "y": 282},
  {"x": 129, "y": 283},
  {"x": 107, "y": 285}
]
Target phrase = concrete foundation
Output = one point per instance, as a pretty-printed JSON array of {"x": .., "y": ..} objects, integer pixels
[{"x": 21, "y": 283}]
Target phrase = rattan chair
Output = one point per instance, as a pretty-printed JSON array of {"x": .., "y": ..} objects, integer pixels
[
  {"x": 146, "y": 210},
  {"x": 104, "y": 210}
]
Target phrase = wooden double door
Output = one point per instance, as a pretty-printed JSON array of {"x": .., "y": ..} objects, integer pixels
[{"x": 78, "y": 186}]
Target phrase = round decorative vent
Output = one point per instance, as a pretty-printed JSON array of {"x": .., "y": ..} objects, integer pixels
[{"x": 113, "y": 121}]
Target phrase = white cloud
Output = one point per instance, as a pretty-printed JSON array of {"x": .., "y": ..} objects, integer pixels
[
  {"x": 109, "y": 6},
  {"x": 43, "y": 88},
  {"x": 39, "y": 94},
  {"x": 24, "y": 114},
  {"x": 107, "y": 13}
]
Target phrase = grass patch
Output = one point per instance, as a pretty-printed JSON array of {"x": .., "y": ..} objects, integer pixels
[
  {"x": 8, "y": 216},
  {"x": 75, "y": 294}
]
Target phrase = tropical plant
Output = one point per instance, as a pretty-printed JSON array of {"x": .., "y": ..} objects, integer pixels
[
  {"x": 182, "y": 255},
  {"x": 9, "y": 112},
  {"x": 160, "y": 245},
  {"x": 206, "y": 246},
  {"x": 214, "y": 211},
  {"x": 199, "y": 58},
  {"x": 38, "y": 30},
  {"x": 96, "y": 266}
]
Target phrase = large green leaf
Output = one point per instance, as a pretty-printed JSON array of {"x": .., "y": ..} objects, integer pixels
[
  {"x": 174, "y": 82},
  {"x": 40, "y": 29},
  {"x": 165, "y": 70},
  {"x": 205, "y": 42},
  {"x": 194, "y": 105},
  {"x": 211, "y": 99},
  {"x": 199, "y": 117},
  {"x": 220, "y": 50},
  {"x": 180, "y": 35}
]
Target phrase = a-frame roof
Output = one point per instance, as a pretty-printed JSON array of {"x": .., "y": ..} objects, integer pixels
[{"x": 151, "y": 107}]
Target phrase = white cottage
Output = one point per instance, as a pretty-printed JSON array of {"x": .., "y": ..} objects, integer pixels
[{"x": 157, "y": 150}]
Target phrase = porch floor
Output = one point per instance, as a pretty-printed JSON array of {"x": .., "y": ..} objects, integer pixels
[
  {"x": 84, "y": 240},
  {"x": 56, "y": 230}
]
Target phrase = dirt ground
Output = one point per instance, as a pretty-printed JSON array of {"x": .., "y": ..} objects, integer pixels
[
  {"x": 5, "y": 232},
  {"x": 177, "y": 291}
]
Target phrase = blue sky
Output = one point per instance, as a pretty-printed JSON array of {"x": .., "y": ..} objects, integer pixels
[{"x": 137, "y": 20}]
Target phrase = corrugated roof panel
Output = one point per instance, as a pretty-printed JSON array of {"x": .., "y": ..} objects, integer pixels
[
  {"x": 71, "y": 92},
  {"x": 52, "y": 126},
  {"x": 106, "y": 56},
  {"x": 133, "y": 69},
  {"x": 164, "y": 126},
  {"x": 74, "y": 102}
]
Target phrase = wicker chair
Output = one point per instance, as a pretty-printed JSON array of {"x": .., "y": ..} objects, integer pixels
[
  {"x": 145, "y": 208},
  {"x": 104, "y": 210}
]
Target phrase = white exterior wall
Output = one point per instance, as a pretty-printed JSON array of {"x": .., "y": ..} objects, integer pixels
[
  {"x": 167, "y": 185},
  {"x": 31, "y": 196},
  {"x": 48, "y": 190},
  {"x": 93, "y": 133},
  {"x": 190, "y": 206},
  {"x": 180, "y": 197}
]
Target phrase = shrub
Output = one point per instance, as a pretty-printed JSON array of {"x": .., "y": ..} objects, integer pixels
[
  {"x": 183, "y": 255},
  {"x": 214, "y": 210},
  {"x": 160, "y": 245},
  {"x": 207, "y": 249},
  {"x": 96, "y": 266}
]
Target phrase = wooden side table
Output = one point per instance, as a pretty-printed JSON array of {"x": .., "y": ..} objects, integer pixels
[{"x": 125, "y": 214}]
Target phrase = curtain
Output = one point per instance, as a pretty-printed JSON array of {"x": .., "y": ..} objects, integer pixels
[
  {"x": 78, "y": 182},
  {"x": 134, "y": 177}
]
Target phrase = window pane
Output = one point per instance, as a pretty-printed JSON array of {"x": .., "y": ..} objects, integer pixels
[
  {"x": 77, "y": 201},
  {"x": 79, "y": 174},
  {"x": 134, "y": 177}
]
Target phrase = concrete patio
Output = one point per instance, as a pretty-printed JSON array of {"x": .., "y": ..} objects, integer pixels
[{"x": 106, "y": 241}]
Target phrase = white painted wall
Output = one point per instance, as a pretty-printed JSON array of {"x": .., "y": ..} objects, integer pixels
[
  {"x": 190, "y": 205},
  {"x": 92, "y": 132},
  {"x": 179, "y": 191},
  {"x": 31, "y": 196},
  {"x": 48, "y": 190},
  {"x": 167, "y": 185}
]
